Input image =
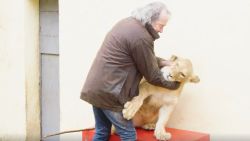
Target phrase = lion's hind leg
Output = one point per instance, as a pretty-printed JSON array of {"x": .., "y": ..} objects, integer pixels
[{"x": 149, "y": 126}]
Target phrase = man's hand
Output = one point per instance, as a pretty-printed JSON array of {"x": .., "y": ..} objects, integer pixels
[{"x": 165, "y": 63}]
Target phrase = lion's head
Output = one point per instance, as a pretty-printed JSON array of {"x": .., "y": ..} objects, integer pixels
[{"x": 181, "y": 70}]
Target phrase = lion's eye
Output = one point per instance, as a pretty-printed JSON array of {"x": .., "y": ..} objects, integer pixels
[{"x": 183, "y": 75}]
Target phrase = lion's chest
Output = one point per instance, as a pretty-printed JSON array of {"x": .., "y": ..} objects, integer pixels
[{"x": 159, "y": 99}]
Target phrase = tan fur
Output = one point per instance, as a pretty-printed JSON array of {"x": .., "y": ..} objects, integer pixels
[{"x": 153, "y": 106}]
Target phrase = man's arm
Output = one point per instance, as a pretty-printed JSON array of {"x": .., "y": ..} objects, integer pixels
[
  {"x": 163, "y": 62},
  {"x": 147, "y": 64}
]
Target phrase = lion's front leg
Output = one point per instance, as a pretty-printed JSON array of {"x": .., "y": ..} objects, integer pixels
[
  {"x": 164, "y": 114},
  {"x": 131, "y": 107}
]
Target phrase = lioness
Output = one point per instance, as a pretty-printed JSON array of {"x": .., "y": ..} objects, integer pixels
[{"x": 153, "y": 106}]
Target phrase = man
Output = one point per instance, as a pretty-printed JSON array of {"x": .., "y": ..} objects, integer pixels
[{"x": 126, "y": 55}]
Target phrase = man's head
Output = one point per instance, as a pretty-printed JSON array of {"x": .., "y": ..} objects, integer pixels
[{"x": 155, "y": 13}]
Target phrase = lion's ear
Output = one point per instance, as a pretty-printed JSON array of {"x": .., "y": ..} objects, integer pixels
[
  {"x": 194, "y": 79},
  {"x": 173, "y": 58}
]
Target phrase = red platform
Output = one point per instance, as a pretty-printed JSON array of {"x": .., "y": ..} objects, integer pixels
[{"x": 146, "y": 135}]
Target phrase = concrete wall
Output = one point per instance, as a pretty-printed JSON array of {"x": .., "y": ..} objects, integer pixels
[
  {"x": 19, "y": 71},
  {"x": 213, "y": 34},
  {"x": 49, "y": 49}
]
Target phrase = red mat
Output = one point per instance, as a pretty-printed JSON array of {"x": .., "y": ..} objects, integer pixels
[{"x": 145, "y": 135}]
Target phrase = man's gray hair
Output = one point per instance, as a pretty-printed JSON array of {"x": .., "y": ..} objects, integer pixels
[{"x": 150, "y": 12}]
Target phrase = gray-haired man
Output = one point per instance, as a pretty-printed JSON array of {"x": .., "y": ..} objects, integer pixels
[{"x": 126, "y": 55}]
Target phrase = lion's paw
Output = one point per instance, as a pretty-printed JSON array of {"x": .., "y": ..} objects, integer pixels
[
  {"x": 150, "y": 126},
  {"x": 162, "y": 135}
]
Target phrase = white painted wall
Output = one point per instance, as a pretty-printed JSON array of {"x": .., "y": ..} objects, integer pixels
[
  {"x": 12, "y": 84},
  {"x": 19, "y": 71},
  {"x": 214, "y": 34}
]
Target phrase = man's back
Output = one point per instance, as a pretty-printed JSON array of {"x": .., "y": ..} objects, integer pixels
[{"x": 113, "y": 78}]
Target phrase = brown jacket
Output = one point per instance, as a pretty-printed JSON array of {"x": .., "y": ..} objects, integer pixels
[{"x": 126, "y": 55}]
